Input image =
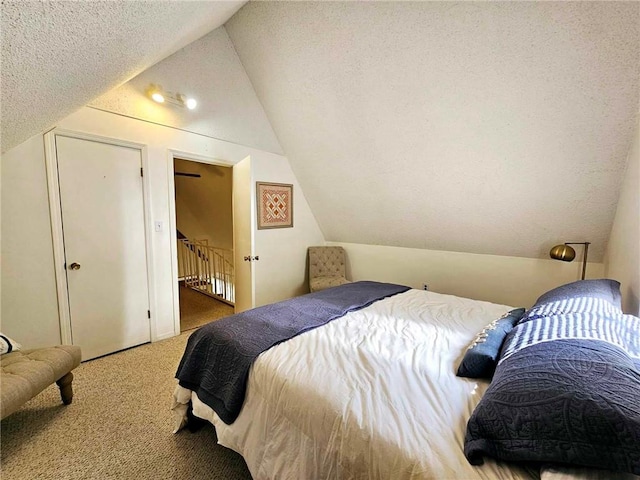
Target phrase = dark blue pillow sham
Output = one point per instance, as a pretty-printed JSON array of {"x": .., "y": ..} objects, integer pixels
[
  {"x": 567, "y": 385},
  {"x": 584, "y": 296},
  {"x": 481, "y": 357},
  {"x": 602, "y": 288},
  {"x": 571, "y": 402}
]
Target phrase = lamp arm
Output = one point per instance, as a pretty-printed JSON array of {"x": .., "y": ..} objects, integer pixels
[{"x": 584, "y": 258}]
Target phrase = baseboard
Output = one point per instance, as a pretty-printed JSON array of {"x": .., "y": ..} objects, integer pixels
[{"x": 165, "y": 336}]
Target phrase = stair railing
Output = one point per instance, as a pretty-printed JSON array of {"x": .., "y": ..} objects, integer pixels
[{"x": 207, "y": 269}]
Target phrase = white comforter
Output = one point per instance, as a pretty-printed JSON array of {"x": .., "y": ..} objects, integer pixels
[{"x": 371, "y": 395}]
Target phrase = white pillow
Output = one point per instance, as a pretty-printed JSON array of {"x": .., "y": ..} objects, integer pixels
[{"x": 7, "y": 345}]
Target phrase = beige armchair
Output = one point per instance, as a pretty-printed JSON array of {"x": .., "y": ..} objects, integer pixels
[{"x": 326, "y": 268}]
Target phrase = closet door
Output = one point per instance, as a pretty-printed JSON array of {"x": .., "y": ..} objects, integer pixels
[{"x": 102, "y": 208}]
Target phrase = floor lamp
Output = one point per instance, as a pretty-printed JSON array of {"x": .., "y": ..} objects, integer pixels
[{"x": 566, "y": 253}]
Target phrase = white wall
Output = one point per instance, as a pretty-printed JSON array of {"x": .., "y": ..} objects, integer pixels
[
  {"x": 622, "y": 260},
  {"x": 512, "y": 281},
  {"x": 281, "y": 271},
  {"x": 204, "y": 205},
  {"x": 29, "y": 302},
  {"x": 29, "y": 307}
]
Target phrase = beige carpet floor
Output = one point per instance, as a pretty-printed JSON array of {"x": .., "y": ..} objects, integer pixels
[
  {"x": 118, "y": 426},
  {"x": 196, "y": 309}
]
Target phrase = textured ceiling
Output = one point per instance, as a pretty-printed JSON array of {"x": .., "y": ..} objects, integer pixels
[
  {"x": 495, "y": 128},
  {"x": 59, "y": 55},
  {"x": 208, "y": 70},
  {"x": 498, "y": 128}
]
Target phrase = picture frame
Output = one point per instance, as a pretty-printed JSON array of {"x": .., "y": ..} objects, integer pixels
[{"x": 275, "y": 205}]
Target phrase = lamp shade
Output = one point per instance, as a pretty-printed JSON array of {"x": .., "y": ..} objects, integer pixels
[{"x": 563, "y": 252}]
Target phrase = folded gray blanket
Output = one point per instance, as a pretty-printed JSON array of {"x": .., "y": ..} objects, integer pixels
[{"x": 218, "y": 356}]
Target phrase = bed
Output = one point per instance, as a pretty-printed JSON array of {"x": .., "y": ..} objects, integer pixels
[{"x": 371, "y": 394}]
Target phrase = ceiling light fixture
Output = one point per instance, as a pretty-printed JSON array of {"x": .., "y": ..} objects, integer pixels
[
  {"x": 157, "y": 94},
  {"x": 191, "y": 103}
]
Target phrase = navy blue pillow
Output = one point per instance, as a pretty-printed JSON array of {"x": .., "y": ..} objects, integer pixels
[
  {"x": 584, "y": 296},
  {"x": 603, "y": 288},
  {"x": 482, "y": 355},
  {"x": 570, "y": 401}
]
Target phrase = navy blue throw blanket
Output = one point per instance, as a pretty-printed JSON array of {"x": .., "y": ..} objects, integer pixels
[{"x": 218, "y": 356}]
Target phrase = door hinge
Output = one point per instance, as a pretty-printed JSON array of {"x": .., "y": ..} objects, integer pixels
[
  {"x": 141, "y": 172},
  {"x": 148, "y": 313}
]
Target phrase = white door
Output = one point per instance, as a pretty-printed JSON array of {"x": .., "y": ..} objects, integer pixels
[
  {"x": 102, "y": 210},
  {"x": 243, "y": 219}
]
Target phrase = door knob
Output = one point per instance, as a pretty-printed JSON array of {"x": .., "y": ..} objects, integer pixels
[{"x": 74, "y": 266}]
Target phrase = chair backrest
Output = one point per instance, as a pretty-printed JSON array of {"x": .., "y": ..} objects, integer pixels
[{"x": 326, "y": 262}]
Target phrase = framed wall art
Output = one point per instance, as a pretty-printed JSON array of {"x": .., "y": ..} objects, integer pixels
[{"x": 275, "y": 205}]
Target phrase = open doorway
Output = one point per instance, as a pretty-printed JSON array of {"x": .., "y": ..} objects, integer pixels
[{"x": 204, "y": 230}]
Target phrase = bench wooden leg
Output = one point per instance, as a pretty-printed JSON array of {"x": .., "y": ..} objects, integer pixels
[{"x": 66, "y": 390}]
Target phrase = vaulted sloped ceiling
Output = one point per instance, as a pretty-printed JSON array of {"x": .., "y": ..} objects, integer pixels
[
  {"x": 484, "y": 127},
  {"x": 494, "y": 128},
  {"x": 59, "y": 55},
  {"x": 210, "y": 71}
]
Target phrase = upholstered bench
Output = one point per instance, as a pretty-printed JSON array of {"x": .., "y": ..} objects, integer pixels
[{"x": 26, "y": 373}]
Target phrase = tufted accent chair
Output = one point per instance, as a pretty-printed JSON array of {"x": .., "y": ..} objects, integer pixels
[{"x": 326, "y": 268}]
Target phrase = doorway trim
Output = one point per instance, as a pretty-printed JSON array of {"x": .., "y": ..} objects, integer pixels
[
  {"x": 55, "y": 211},
  {"x": 173, "y": 241}
]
